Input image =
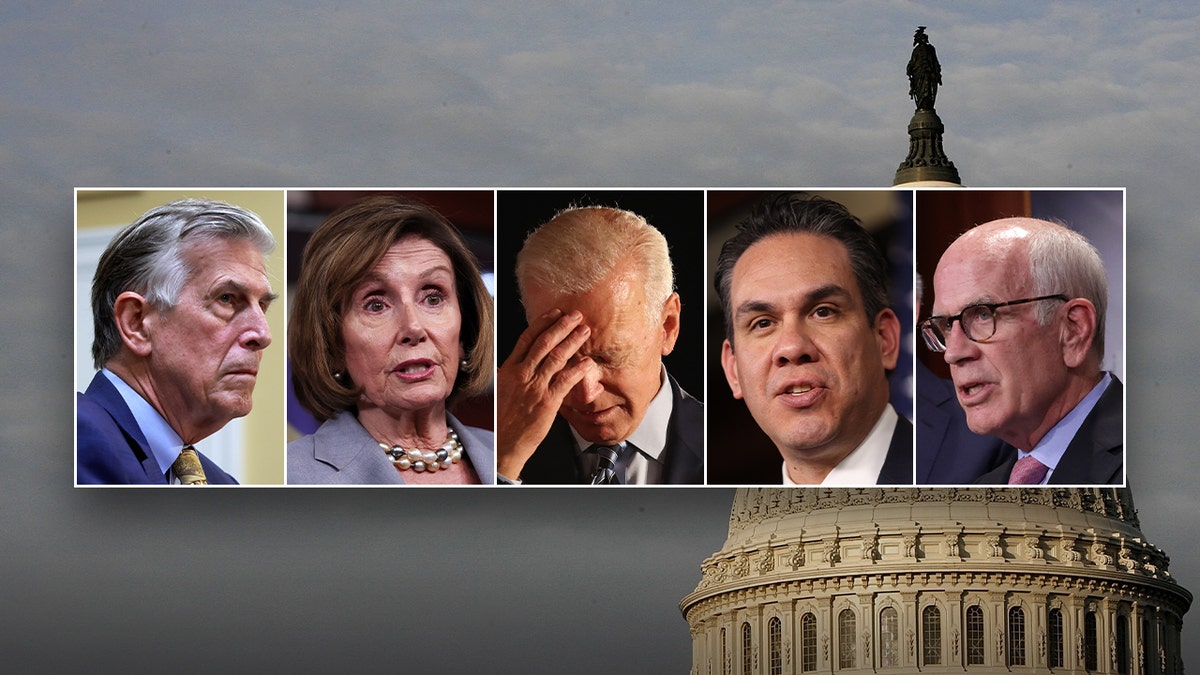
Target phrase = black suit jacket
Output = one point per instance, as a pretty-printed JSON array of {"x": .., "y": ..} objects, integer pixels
[
  {"x": 555, "y": 461},
  {"x": 1094, "y": 457},
  {"x": 948, "y": 452},
  {"x": 898, "y": 465}
]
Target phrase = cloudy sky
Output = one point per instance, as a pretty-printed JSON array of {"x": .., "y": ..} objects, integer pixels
[{"x": 528, "y": 94}]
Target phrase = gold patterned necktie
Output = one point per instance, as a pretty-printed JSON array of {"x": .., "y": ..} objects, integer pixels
[{"x": 187, "y": 467}]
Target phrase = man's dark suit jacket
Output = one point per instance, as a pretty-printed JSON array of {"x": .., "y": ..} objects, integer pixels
[
  {"x": 111, "y": 448},
  {"x": 898, "y": 465},
  {"x": 555, "y": 461},
  {"x": 1094, "y": 457},
  {"x": 948, "y": 452}
]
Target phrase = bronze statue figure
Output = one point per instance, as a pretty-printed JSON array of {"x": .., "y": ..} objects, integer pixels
[
  {"x": 926, "y": 161},
  {"x": 924, "y": 71}
]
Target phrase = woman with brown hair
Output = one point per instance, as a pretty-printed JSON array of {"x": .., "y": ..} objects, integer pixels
[{"x": 390, "y": 323}]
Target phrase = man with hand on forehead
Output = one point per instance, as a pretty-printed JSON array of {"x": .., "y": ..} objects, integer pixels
[
  {"x": 584, "y": 397},
  {"x": 1019, "y": 310}
]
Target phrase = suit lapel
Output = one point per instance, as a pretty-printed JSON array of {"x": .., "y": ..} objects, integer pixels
[
  {"x": 344, "y": 444},
  {"x": 478, "y": 448},
  {"x": 101, "y": 391},
  {"x": 897, "y": 466},
  {"x": 684, "y": 452},
  {"x": 933, "y": 421},
  {"x": 1094, "y": 456}
]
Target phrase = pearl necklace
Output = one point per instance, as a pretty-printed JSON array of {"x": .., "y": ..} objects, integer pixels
[{"x": 418, "y": 460}]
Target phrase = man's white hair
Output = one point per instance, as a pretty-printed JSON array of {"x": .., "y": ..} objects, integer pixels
[
  {"x": 581, "y": 246},
  {"x": 1063, "y": 261}
]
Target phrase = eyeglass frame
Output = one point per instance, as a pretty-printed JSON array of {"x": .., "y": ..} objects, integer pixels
[{"x": 935, "y": 338}]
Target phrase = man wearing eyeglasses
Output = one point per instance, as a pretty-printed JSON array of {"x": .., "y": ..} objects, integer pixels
[{"x": 1019, "y": 309}]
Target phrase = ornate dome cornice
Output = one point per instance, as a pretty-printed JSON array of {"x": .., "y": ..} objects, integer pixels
[
  {"x": 872, "y": 538},
  {"x": 757, "y": 505}
]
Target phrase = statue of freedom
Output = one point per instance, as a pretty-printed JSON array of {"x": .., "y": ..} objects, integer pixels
[{"x": 924, "y": 71}]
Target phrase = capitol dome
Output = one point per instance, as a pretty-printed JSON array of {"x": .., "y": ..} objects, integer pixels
[{"x": 984, "y": 580}]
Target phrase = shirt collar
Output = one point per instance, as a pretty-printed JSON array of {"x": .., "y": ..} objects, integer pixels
[
  {"x": 863, "y": 464},
  {"x": 650, "y": 437},
  {"x": 1050, "y": 449},
  {"x": 164, "y": 443}
]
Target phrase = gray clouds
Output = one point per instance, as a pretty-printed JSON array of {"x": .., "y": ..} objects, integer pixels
[{"x": 767, "y": 93}]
